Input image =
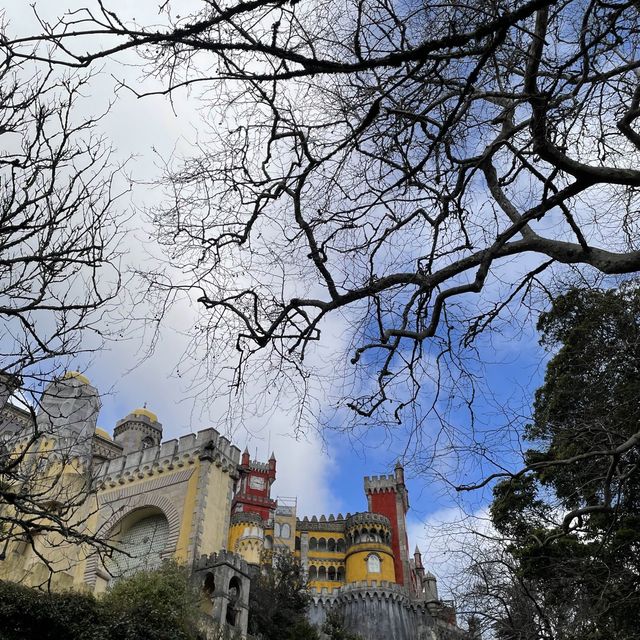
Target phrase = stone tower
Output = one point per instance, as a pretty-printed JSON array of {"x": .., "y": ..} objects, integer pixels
[
  {"x": 388, "y": 496},
  {"x": 68, "y": 412},
  {"x": 139, "y": 430}
]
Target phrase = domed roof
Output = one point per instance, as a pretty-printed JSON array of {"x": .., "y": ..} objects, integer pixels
[
  {"x": 76, "y": 375},
  {"x": 145, "y": 412},
  {"x": 103, "y": 434}
]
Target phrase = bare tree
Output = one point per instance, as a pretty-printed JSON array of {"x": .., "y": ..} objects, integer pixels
[
  {"x": 412, "y": 167},
  {"x": 59, "y": 280}
]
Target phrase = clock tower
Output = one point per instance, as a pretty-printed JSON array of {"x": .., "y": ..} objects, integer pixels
[{"x": 253, "y": 490}]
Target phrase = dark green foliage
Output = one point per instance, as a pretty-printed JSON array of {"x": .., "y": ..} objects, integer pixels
[
  {"x": 278, "y": 602},
  {"x": 573, "y": 520},
  {"x": 151, "y": 605},
  {"x": 27, "y": 614},
  {"x": 334, "y": 628},
  {"x": 154, "y": 605}
]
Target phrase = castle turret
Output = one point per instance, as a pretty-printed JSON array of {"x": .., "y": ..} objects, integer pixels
[
  {"x": 246, "y": 536},
  {"x": 388, "y": 495},
  {"x": 68, "y": 413},
  {"x": 368, "y": 554},
  {"x": 8, "y": 384},
  {"x": 253, "y": 492},
  {"x": 139, "y": 430}
]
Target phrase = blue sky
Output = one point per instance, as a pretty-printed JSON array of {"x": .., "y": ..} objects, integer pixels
[{"x": 326, "y": 475}]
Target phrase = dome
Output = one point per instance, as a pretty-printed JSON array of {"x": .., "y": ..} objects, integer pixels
[
  {"x": 76, "y": 375},
  {"x": 103, "y": 434},
  {"x": 145, "y": 412}
]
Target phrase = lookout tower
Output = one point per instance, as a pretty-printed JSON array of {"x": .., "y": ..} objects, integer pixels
[{"x": 388, "y": 496}]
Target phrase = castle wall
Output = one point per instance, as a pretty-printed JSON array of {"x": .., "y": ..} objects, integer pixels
[{"x": 381, "y": 611}]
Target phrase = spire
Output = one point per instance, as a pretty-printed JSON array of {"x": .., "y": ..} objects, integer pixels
[
  {"x": 273, "y": 456},
  {"x": 417, "y": 556},
  {"x": 246, "y": 458},
  {"x": 399, "y": 472}
]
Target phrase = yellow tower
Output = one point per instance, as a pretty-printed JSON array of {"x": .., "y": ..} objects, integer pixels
[
  {"x": 246, "y": 536},
  {"x": 368, "y": 554}
]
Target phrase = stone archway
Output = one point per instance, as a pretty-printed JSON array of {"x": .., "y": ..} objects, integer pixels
[{"x": 139, "y": 508}]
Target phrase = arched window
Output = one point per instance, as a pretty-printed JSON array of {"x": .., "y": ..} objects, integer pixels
[
  {"x": 142, "y": 536},
  {"x": 373, "y": 563},
  {"x": 313, "y": 544},
  {"x": 322, "y": 573},
  {"x": 276, "y": 530},
  {"x": 147, "y": 442},
  {"x": 285, "y": 531},
  {"x": 268, "y": 542},
  {"x": 297, "y": 543},
  {"x": 234, "y": 595},
  {"x": 340, "y": 546},
  {"x": 209, "y": 585},
  {"x": 331, "y": 573},
  {"x": 313, "y": 573},
  {"x": 340, "y": 574},
  {"x": 331, "y": 544},
  {"x": 322, "y": 544}
]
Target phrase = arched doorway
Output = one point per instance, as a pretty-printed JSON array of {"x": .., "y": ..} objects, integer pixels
[{"x": 142, "y": 535}]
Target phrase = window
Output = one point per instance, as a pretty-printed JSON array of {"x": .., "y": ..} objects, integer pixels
[
  {"x": 322, "y": 544},
  {"x": 285, "y": 531},
  {"x": 340, "y": 546},
  {"x": 313, "y": 544},
  {"x": 331, "y": 545},
  {"x": 373, "y": 563},
  {"x": 313, "y": 573},
  {"x": 209, "y": 585},
  {"x": 322, "y": 573},
  {"x": 276, "y": 530},
  {"x": 331, "y": 573}
]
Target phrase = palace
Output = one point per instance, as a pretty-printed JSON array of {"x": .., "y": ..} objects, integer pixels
[{"x": 200, "y": 501}]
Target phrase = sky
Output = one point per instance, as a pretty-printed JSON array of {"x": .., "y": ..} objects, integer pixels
[{"x": 325, "y": 474}]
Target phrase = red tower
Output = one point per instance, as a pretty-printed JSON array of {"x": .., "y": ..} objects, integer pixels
[
  {"x": 388, "y": 496},
  {"x": 253, "y": 493}
]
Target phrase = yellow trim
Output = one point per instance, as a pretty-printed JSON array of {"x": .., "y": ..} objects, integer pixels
[
  {"x": 103, "y": 434},
  {"x": 76, "y": 375},
  {"x": 145, "y": 412}
]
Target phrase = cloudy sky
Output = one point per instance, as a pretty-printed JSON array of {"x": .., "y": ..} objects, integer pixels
[{"x": 325, "y": 475}]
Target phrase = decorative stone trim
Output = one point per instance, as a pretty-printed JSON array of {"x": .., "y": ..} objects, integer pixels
[{"x": 138, "y": 502}]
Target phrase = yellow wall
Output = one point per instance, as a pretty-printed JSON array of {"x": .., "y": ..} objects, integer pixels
[
  {"x": 356, "y": 564},
  {"x": 216, "y": 513}
]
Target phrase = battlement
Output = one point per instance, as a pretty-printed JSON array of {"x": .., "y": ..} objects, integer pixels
[
  {"x": 222, "y": 557},
  {"x": 366, "y": 518},
  {"x": 262, "y": 467},
  {"x": 247, "y": 517},
  {"x": 322, "y": 523},
  {"x": 374, "y": 484},
  {"x": 360, "y": 589},
  {"x": 207, "y": 444}
]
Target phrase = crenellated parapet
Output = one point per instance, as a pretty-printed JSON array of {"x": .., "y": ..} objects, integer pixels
[
  {"x": 169, "y": 456},
  {"x": 367, "y": 519},
  {"x": 331, "y": 523},
  {"x": 374, "y": 484},
  {"x": 247, "y": 517},
  {"x": 232, "y": 560}
]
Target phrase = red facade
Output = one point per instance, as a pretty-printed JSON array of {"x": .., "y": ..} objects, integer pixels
[
  {"x": 386, "y": 503},
  {"x": 253, "y": 492}
]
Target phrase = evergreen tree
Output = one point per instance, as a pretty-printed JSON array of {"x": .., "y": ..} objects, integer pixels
[
  {"x": 572, "y": 517},
  {"x": 278, "y": 602}
]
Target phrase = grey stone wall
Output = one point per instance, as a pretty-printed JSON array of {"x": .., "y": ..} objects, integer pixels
[{"x": 382, "y": 612}]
